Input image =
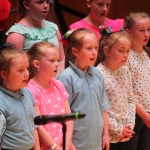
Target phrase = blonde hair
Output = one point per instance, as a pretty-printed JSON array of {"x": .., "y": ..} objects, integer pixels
[
  {"x": 75, "y": 40},
  {"x": 7, "y": 56},
  {"x": 109, "y": 40},
  {"x": 130, "y": 19},
  {"x": 36, "y": 52}
]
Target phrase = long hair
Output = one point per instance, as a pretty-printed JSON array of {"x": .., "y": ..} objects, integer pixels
[
  {"x": 132, "y": 16},
  {"x": 75, "y": 40},
  {"x": 36, "y": 52},
  {"x": 7, "y": 55},
  {"x": 21, "y": 9},
  {"x": 109, "y": 40},
  {"x": 130, "y": 21}
]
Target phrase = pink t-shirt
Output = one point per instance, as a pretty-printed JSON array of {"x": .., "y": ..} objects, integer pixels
[
  {"x": 51, "y": 102},
  {"x": 118, "y": 23}
]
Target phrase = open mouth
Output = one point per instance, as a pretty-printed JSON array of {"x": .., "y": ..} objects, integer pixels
[
  {"x": 25, "y": 81},
  {"x": 44, "y": 12},
  {"x": 92, "y": 59},
  {"x": 102, "y": 14}
]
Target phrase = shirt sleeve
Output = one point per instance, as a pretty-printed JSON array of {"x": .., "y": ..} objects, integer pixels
[
  {"x": 35, "y": 93},
  {"x": 63, "y": 91},
  {"x": 115, "y": 129},
  {"x": 131, "y": 104},
  {"x": 104, "y": 97},
  {"x": 67, "y": 84}
]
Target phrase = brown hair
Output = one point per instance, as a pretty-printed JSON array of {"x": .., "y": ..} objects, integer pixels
[
  {"x": 6, "y": 57},
  {"x": 21, "y": 9},
  {"x": 109, "y": 40},
  {"x": 75, "y": 40},
  {"x": 36, "y": 52},
  {"x": 130, "y": 19}
]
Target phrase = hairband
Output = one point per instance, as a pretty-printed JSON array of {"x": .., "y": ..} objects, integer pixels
[
  {"x": 108, "y": 30},
  {"x": 64, "y": 38},
  {"x": 7, "y": 45}
]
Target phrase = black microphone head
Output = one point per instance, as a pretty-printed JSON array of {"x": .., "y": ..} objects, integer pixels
[
  {"x": 44, "y": 119},
  {"x": 38, "y": 120},
  {"x": 81, "y": 116}
]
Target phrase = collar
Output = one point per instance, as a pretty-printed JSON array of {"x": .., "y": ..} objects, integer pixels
[
  {"x": 79, "y": 72},
  {"x": 12, "y": 94}
]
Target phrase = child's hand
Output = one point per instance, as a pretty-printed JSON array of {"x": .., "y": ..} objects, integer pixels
[
  {"x": 127, "y": 133},
  {"x": 58, "y": 147},
  {"x": 105, "y": 143}
]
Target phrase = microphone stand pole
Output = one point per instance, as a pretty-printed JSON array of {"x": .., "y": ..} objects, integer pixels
[{"x": 64, "y": 129}]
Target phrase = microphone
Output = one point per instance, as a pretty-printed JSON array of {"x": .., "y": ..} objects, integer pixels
[{"x": 45, "y": 119}]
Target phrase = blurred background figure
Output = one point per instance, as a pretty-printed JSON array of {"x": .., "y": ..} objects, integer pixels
[{"x": 4, "y": 13}]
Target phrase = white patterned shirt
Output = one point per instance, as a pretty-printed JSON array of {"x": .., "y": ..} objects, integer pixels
[
  {"x": 139, "y": 66},
  {"x": 119, "y": 92}
]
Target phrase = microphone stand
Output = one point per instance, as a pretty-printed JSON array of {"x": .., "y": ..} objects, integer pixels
[{"x": 64, "y": 129}]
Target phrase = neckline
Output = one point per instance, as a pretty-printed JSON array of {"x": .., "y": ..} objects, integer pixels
[
  {"x": 34, "y": 27},
  {"x": 106, "y": 19}
]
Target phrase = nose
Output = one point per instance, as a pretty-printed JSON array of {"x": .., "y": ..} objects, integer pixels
[
  {"x": 56, "y": 63},
  {"x": 94, "y": 51},
  {"x": 46, "y": 4},
  {"x": 147, "y": 33},
  {"x": 26, "y": 73},
  {"x": 104, "y": 7},
  {"x": 126, "y": 55}
]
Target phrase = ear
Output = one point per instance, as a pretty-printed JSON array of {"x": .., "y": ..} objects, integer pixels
[
  {"x": 26, "y": 4},
  {"x": 3, "y": 74},
  {"x": 128, "y": 31},
  {"x": 75, "y": 51},
  {"x": 106, "y": 50},
  {"x": 88, "y": 3},
  {"x": 36, "y": 63}
]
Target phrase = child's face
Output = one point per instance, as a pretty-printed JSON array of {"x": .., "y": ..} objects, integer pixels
[
  {"x": 140, "y": 32},
  {"x": 118, "y": 54},
  {"x": 99, "y": 8},
  {"x": 38, "y": 9},
  {"x": 87, "y": 55},
  {"x": 19, "y": 73},
  {"x": 49, "y": 63}
]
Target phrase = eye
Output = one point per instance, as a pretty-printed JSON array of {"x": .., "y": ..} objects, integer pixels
[
  {"x": 21, "y": 70},
  {"x": 141, "y": 30},
  {"x": 52, "y": 61},
  {"x": 48, "y": 1},
  {"x": 108, "y": 5},
  {"x": 40, "y": 2},
  {"x": 89, "y": 48},
  {"x": 100, "y": 4},
  {"x": 121, "y": 51}
]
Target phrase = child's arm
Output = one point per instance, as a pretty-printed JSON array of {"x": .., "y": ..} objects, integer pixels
[
  {"x": 36, "y": 139},
  {"x": 143, "y": 114},
  {"x": 69, "y": 128},
  {"x": 131, "y": 103},
  {"x": 105, "y": 141},
  {"x": 43, "y": 134}
]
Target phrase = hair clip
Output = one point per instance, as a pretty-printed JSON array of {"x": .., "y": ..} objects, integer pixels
[
  {"x": 108, "y": 30},
  {"x": 7, "y": 45},
  {"x": 64, "y": 38}
]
